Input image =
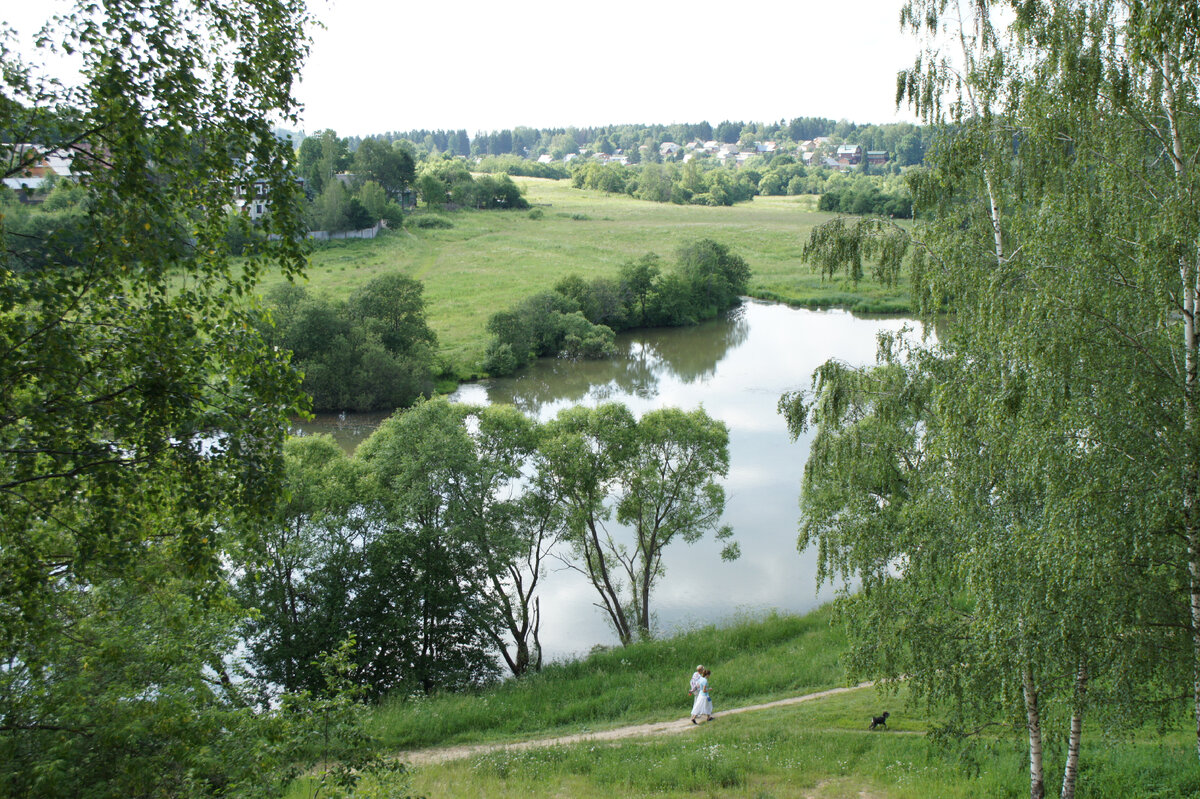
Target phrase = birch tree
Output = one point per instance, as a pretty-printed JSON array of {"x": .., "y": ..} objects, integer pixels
[{"x": 1059, "y": 225}]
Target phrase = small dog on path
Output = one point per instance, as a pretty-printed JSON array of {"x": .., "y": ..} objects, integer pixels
[{"x": 879, "y": 721}]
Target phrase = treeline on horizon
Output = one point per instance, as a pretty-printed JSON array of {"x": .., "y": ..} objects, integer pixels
[{"x": 899, "y": 139}]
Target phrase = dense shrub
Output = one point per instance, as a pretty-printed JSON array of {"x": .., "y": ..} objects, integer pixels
[
  {"x": 579, "y": 318},
  {"x": 667, "y": 182},
  {"x": 548, "y": 323},
  {"x": 865, "y": 197},
  {"x": 372, "y": 352},
  {"x": 451, "y": 177},
  {"x": 523, "y": 167},
  {"x": 431, "y": 222}
]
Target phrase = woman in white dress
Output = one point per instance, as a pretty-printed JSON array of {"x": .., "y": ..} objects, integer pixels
[
  {"x": 707, "y": 696},
  {"x": 695, "y": 679},
  {"x": 703, "y": 704}
]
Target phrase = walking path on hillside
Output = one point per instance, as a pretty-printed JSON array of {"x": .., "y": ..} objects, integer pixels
[{"x": 422, "y": 757}]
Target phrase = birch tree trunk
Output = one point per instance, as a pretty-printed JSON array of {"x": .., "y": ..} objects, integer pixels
[
  {"x": 1189, "y": 276},
  {"x": 1071, "y": 771},
  {"x": 1033, "y": 722}
]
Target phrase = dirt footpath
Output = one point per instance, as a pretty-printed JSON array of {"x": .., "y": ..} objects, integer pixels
[{"x": 421, "y": 757}]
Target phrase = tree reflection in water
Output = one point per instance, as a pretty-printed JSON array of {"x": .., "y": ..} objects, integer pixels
[
  {"x": 737, "y": 368},
  {"x": 687, "y": 354}
]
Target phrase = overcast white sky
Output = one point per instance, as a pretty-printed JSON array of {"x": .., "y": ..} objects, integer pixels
[{"x": 380, "y": 66}]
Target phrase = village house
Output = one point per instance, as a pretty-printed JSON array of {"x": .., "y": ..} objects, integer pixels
[
  {"x": 849, "y": 154},
  {"x": 31, "y": 169},
  {"x": 877, "y": 157},
  {"x": 253, "y": 200}
]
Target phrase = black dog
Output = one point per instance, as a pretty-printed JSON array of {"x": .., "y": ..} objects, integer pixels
[{"x": 879, "y": 721}]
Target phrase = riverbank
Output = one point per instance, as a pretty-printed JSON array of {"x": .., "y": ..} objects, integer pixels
[{"x": 490, "y": 260}]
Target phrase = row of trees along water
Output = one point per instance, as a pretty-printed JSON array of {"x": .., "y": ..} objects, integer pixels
[
  {"x": 1020, "y": 502},
  {"x": 375, "y": 350},
  {"x": 428, "y": 544},
  {"x": 579, "y": 318}
]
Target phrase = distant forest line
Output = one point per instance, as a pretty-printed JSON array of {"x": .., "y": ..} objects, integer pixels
[{"x": 901, "y": 140}]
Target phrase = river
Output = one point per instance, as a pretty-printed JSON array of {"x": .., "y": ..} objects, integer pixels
[{"x": 737, "y": 368}]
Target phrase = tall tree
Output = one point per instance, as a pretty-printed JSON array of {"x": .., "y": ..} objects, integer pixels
[
  {"x": 428, "y": 623},
  {"x": 1060, "y": 225},
  {"x": 391, "y": 167},
  {"x": 513, "y": 520},
  {"x": 658, "y": 476},
  {"x": 141, "y": 415},
  {"x": 308, "y": 566},
  {"x": 637, "y": 279}
]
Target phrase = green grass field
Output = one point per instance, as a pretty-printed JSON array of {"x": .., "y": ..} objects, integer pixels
[
  {"x": 490, "y": 260},
  {"x": 819, "y": 749},
  {"x": 753, "y": 661}
]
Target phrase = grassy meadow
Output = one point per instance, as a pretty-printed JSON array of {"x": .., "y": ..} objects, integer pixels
[
  {"x": 489, "y": 260},
  {"x": 752, "y": 661},
  {"x": 819, "y": 749}
]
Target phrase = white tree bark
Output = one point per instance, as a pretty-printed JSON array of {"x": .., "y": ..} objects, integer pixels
[
  {"x": 1033, "y": 721},
  {"x": 1071, "y": 771},
  {"x": 1189, "y": 277}
]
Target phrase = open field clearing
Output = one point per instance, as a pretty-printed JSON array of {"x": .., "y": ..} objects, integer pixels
[{"x": 489, "y": 260}]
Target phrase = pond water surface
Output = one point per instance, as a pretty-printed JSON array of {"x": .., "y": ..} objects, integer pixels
[{"x": 737, "y": 368}]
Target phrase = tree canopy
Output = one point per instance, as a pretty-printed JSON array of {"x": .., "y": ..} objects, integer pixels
[
  {"x": 1023, "y": 492},
  {"x": 141, "y": 413}
]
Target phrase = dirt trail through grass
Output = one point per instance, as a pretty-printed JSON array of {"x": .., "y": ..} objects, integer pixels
[{"x": 421, "y": 757}]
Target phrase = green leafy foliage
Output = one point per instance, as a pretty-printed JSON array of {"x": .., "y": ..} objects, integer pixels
[
  {"x": 666, "y": 183},
  {"x": 364, "y": 547},
  {"x": 449, "y": 180},
  {"x": 579, "y": 319},
  {"x": 865, "y": 196},
  {"x": 657, "y": 475},
  {"x": 391, "y": 167},
  {"x": 549, "y": 323},
  {"x": 512, "y": 165},
  {"x": 373, "y": 352},
  {"x": 142, "y": 414},
  {"x": 1043, "y": 547},
  {"x": 428, "y": 545}
]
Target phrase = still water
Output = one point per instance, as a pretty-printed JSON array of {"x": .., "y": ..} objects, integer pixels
[{"x": 737, "y": 368}]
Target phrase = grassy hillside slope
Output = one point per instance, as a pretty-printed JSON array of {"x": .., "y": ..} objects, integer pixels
[
  {"x": 821, "y": 749},
  {"x": 490, "y": 260}
]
